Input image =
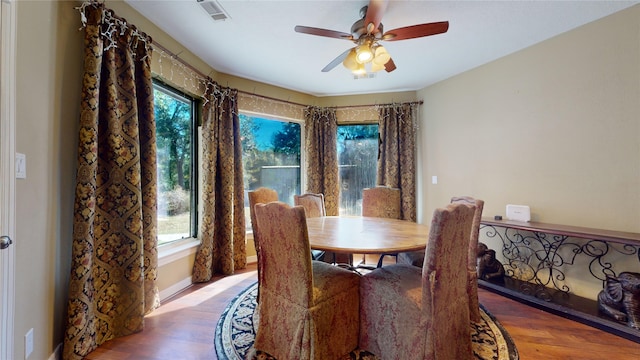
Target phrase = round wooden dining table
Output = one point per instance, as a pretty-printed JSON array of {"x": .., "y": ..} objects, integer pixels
[{"x": 366, "y": 235}]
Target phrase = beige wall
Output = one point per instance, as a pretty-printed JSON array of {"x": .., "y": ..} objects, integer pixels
[
  {"x": 47, "y": 96},
  {"x": 569, "y": 104},
  {"x": 49, "y": 66},
  {"x": 555, "y": 126}
]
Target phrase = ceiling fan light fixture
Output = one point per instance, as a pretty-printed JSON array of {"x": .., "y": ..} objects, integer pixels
[
  {"x": 381, "y": 56},
  {"x": 360, "y": 70},
  {"x": 350, "y": 61},
  {"x": 375, "y": 67},
  {"x": 364, "y": 53}
]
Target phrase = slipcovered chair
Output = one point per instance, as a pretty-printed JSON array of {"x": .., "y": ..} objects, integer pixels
[
  {"x": 411, "y": 313},
  {"x": 313, "y": 205},
  {"x": 381, "y": 201},
  {"x": 261, "y": 195},
  {"x": 384, "y": 202},
  {"x": 416, "y": 258},
  {"x": 309, "y": 309}
]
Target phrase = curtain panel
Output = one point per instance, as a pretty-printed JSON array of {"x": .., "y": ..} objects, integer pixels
[
  {"x": 321, "y": 129},
  {"x": 222, "y": 233},
  {"x": 114, "y": 256},
  {"x": 396, "y": 153}
]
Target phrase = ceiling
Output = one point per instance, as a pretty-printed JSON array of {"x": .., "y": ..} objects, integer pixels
[{"x": 257, "y": 41}]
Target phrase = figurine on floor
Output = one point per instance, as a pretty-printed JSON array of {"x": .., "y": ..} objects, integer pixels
[
  {"x": 620, "y": 298},
  {"x": 489, "y": 268}
]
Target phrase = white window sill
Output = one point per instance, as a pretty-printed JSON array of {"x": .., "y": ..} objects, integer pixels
[
  {"x": 177, "y": 250},
  {"x": 180, "y": 249}
]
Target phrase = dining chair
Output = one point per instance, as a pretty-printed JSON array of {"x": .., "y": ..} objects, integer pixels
[
  {"x": 384, "y": 202},
  {"x": 381, "y": 201},
  {"x": 408, "y": 312},
  {"x": 309, "y": 309},
  {"x": 313, "y": 205},
  {"x": 416, "y": 258},
  {"x": 261, "y": 195}
]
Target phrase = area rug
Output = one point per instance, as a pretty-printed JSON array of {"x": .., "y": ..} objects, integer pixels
[{"x": 235, "y": 333}]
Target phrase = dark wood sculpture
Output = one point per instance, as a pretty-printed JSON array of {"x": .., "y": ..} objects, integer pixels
[
  {"x": 489, "y": 268},
  {"x": 620, "y": 298}
]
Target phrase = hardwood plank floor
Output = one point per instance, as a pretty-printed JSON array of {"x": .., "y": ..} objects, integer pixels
[{"x": 183, "y": 328}]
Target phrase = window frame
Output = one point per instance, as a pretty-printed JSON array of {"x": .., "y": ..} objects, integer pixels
[
  {"x": 178, "y": 245},
  {"x": 358, "y": 123},
  {"x": 303, "y": 156}
]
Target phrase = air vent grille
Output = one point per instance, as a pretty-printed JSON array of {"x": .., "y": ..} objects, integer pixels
[
  {"x": 214, "y": 9},
  {"x": 364, "y": 76}
]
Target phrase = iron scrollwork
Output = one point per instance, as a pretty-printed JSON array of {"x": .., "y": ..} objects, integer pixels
[{"x": 537, "y": 259}]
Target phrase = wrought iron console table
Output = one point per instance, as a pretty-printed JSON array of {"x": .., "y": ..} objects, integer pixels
[{"x": 535, "y": 259}]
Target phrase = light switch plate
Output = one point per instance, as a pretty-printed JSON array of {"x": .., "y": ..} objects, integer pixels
[{"x": 21, "y": 166}]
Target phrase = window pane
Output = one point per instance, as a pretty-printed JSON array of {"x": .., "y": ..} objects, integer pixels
[
  {"x": 174, "y": 126},
  {"x": 357, "y": 157},
  {"x": 270, "y": 157}
]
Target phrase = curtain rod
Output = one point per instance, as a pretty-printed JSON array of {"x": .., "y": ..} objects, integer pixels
[
  {"x": 198, "y": 72},
  {"x": 176, "y": 57},
  {"x": 420, "y": 102}
]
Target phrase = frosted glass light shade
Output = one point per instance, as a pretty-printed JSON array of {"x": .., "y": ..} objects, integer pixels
[
  {"x": 364, "y": 54},
  {"x": 350, "y": 61},
  {"x": 382, "y": 56}
]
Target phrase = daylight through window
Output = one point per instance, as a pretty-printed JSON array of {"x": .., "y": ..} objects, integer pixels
[
  {"x": 175, "y": 119},
  {"x": 357, "y": 158},
  {"x": 270, "y": 157}
]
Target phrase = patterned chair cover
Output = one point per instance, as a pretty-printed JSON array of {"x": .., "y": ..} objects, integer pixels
[
  {"x": 261, "y": 195},
  {"x": 384, "y": 202},
  {"x": 412, "y": 313},
  {"x": 416, "y": 258},
  {"x": 308, "y": 309},
  {"x": 381, "y": 201},
  {"x": 313, "y": 205}
]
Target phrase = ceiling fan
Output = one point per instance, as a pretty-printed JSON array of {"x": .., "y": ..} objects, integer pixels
[{"x": 366, "y": 33}]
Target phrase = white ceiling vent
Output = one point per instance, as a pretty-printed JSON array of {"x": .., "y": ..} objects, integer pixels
[
  {"x": 369, "y": 75},
  {"x": 214, "y": 9}
]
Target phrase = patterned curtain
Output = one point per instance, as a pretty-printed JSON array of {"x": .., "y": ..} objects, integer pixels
[
  {"x": 396, "y": 153},
  {"x": 114, "y": 258},
  {"x": 321, "y": 129},
  {"x": 223, "y": 230}
]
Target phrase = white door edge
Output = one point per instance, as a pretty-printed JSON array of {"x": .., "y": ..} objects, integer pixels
[{"x": 7, "y": 174}]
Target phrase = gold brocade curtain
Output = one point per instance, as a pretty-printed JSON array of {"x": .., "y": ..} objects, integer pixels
[
  {"x": 223, "y": 229},
  {"x": 114, "y": 258},
  {"x": 321, "y": 128},
  {"x": 396, "y": 154}
]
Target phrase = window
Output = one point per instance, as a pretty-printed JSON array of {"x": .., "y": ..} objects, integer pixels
[
  {"x": 270, "y": 157},
  {"x": 175, "y": 123},
  {"x": 357, "y": 159}
]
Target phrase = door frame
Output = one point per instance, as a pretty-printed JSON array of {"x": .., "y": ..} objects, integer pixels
[{"x": 7, "y": 173}]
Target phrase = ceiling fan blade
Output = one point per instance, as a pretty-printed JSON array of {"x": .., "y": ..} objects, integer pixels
[
  {"x": 336, "y": 61},
  {"x": 415, "y": 31},
  {"x": 375, "y": 11},
  {"x": 390, "y": 66},
  {"x": 323, "y": 32}
]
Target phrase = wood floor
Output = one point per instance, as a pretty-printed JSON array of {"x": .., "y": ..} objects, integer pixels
[{"x": 183, "y": 328}]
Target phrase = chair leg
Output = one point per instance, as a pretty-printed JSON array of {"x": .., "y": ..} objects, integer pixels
[{"x": 382, "y": 258}]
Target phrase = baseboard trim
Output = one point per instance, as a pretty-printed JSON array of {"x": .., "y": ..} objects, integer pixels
[
  {"x": 252, "y": 259},
  {"x": 57, "y": 353},
  {"x": 175, "y": 288}
]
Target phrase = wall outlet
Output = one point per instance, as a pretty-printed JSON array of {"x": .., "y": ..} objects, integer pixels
[{"x": 28, "y": 343}]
